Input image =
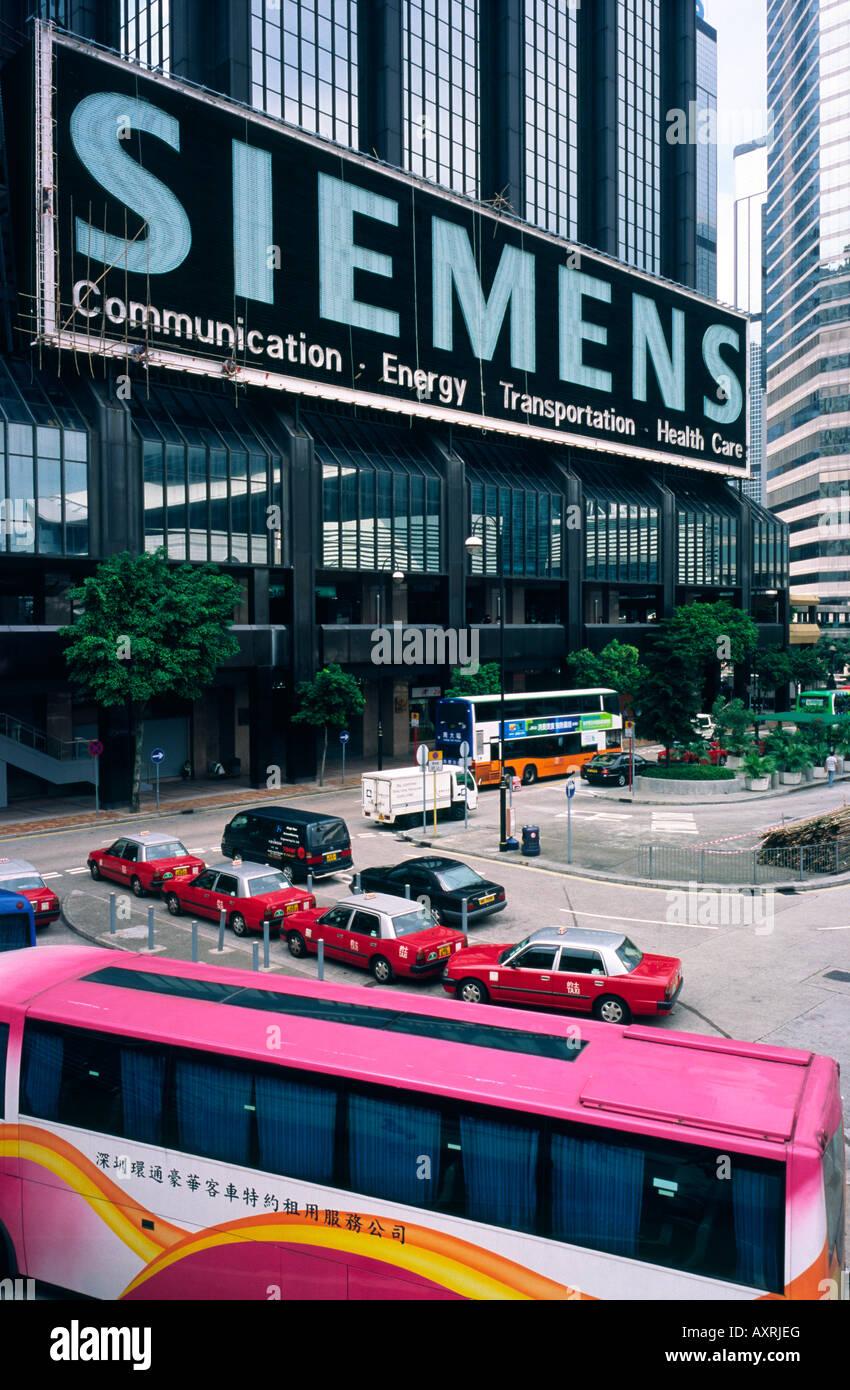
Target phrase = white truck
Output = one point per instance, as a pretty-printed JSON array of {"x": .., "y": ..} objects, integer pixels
[{"x": 395, "y": 797}]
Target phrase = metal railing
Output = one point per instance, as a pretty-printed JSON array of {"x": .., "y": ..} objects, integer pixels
[
  {"x": 760, "y": 865},
  {"x": 30, "y": 737}
]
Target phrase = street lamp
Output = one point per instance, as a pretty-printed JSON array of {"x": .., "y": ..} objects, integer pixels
[
  {"x": 474, "y": 544},
  {"x": 398, "y": 578}
]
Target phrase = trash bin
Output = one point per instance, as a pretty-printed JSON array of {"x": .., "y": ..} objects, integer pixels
[{"x": 530, "y": 840}]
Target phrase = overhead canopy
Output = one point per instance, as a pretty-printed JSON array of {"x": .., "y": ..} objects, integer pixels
[{"x": 799, "y": 716}]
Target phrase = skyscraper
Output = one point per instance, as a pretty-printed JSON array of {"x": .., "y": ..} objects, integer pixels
[
  {"x": 748, "y": 250},
  {"x": 807, "y": 293},
  {"x": 706, "y": 279}
]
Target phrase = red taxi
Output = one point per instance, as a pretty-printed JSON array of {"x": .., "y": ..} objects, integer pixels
[
  {"x": 713, "y": 754},
  {"x": 250, "y": 894},
  {"x": 597, "y": 972},
  {"x": 387, "y": 935},
  {"x": 19, "y": 876},
  {"x": 147, "y": 860}
]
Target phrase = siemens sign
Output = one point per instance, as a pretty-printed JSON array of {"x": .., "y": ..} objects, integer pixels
[{"x": 200, "y": 236}]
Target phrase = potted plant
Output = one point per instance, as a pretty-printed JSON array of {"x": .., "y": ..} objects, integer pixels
[
  {"x": 794, "y": 758},
  {"x": 732, "y": 720},
  {"x": 758, "y": 771}
]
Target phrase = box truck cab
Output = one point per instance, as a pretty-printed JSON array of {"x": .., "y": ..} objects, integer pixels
[{"x": 395, "y": 797}]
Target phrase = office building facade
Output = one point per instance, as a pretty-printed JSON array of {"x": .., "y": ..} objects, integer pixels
[
  {"x": 338, "y": 506},
  {"x": 706, "y": 171},
  {"x": 807, "y": 294},
  {"x": 750, "y": 164}
]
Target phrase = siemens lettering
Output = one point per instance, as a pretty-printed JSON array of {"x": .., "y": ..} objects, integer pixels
[{"x": 217, "y": 238}]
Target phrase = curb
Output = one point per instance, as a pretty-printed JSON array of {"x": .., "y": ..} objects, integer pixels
[{"x": 788, "y": 886}]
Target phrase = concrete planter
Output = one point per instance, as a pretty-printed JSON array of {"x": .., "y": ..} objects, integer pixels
[
  {"x": 791, "y": 779},
  {"x": 734, "y": 760},
  {"x": 819, "y": 774},
  {"x": 757, "y": 784},
  {"x": 808, "y": 774}
]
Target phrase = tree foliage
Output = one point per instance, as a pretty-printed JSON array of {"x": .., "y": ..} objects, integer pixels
[
  {"x": 667, "y": 702},
  {"x": 809, "y": 665},
  {"x": 618, "y": 666},
  {"x": 147, "y": 628},
  {"x": 773, "y": 667},
  {"x": 484, "y": 681},
  {"x": 329, "y": 701}
]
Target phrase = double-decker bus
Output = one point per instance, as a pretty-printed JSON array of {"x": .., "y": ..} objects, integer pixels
[
  {"x": 827, "y": 702},
  {"x": 17, "y": 922},
  {"x": 180, "y": 1131},
  {"x": 548, "y": 733}
]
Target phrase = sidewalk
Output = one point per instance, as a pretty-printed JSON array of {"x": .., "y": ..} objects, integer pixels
[{"x": 61, "y": 813}]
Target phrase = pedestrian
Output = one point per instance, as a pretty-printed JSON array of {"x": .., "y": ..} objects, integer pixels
[{"x": 831, "y": 766}]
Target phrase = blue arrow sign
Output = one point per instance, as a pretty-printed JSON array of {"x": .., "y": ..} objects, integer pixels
[
  {"x": 571, "y": 789},
  {"x": 157, "y": 755},
  {"x": 344, "y": 736}
]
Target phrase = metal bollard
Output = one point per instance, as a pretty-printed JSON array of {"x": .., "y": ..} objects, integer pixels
[
  {"x": 255, "y": 951},
  {"x": 222, "y": 921},
  {"x": 650, "y": 861},
  {"x": 464, "y": 914},
  {"x": 321, "y": 960},
  {"x": 407, "y": 890},
  {"x": 801, "y": 863},
  {"x": 194, "y": 941},
  {"x": 112, "y": 904},
  {"x": 702, "y": 866},
  {"x": 357, "y": 887},
  {"x": 150, "y": 928},
  {"x": 309, "y": 881},
  {"x": 265, "y": 945},
  {"x": 755, "y": 867}
]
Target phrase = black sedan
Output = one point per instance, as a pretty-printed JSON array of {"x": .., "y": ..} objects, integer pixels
[
  {"x": 445, "y": 882},
  {"x": 611, "y": 769}
]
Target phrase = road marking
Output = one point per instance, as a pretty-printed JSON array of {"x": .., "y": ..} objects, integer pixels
[
  {"x": 55, "y": 875},
  {"x": 83, "y": 870},
  {"x": 646, "y": 921},
  {"x": 818, "y": 928},
  {"x": 674, "y": 822},
  {"x": 196, "y": 849},
  {"x": 368, "y": 835}
]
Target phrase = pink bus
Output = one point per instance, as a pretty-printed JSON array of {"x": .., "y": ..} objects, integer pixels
[{"x": 174, "y": 1131}]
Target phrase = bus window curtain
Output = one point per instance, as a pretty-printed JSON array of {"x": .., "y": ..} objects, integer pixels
[
  {"x": 500, "y": 1173},
  {"x": 387, "y": 1143},
  {"x": 597, "y": 1192},
  {"x": 212, "y": 1118},
  {"x": 142, "y": 1087},
  {"x": 757, "y": 1204},
  {"x": 295, "y": 1128},
  {"x": 42, "y": 1079}
]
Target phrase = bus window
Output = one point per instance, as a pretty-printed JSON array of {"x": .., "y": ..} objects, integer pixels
[{"x": 4, "y": 1043}]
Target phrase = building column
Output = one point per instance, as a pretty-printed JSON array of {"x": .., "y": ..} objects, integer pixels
[
  {"x": 597, "y": 107},
  {"x": 678, "y": 161},
  {"x": 668, "y": 557},
  {"x": 456, "y": 522},
  {"x": 211, "y": 45},
  {"x": 502, "y": 88},
  {"x": 379, "y": 70},
  {"x": 304, "y": 508}
]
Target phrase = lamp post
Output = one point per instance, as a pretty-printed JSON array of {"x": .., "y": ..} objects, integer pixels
[
  {"x": 832, "y": 650},
  {"x": 398, "y": 578},
  {"x": 473, "y": 544}
]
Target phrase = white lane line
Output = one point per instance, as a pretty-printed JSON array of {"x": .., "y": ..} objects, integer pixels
[
  {"x": 817, "y": 928},
  {"x": 54, "y": 875},
  {"x": 83, "y": 870},
  {"x": 646, "y": 921},
  {"x": 196, "y": 849}
]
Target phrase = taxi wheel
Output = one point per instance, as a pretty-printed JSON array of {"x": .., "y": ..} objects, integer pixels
[
  {"x": 172, "y": 902},
  {"x": 239, "y": 925},
  {"x": 610, "y": 1009},
  {"x": 472, "y": 992},
  {"x": 296, "y": 943},
  {"x": 136, "y": 887},
  {"x": 382, "y": 970},
  {"x": 529, "y": 775},
  {"x": 94, "y": 871}
]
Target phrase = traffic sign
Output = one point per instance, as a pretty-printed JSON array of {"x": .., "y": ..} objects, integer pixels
[
  {"x": 344, "y": 736},
  {"x": 414, "y": 719},
  {"x": 464, "y": 750},
  {"x": 422, "y": 754},
  {"x": 157, "y": 755},
  {"x": 571, "y": 788},
  {"x": 95, "y": 748},
  {"x": 436, "y": 757}
]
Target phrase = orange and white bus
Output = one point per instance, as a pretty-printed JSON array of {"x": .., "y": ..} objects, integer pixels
[
  {"x": 548, "y": 733},
  {"x": 173, "y": 1130}
]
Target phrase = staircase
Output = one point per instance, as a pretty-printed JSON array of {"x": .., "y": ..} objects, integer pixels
[{"x": 40, "y": 754}]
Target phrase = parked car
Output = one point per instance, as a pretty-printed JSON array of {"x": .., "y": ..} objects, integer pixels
[
  {"x": 387, "y": 935},
  {"x": 19, "y": 876},
  {"x": 445, "y": 882},
  {"x": 714, "y": 754},
  {"x": 285, "y": 836},
  {"x": 146, "y": 860},
  {"x": 611, "y": 769},
  {"x": 704, "y": 726},
  {"x": 250, "y": 894},
  {"x": 597, "y": 972}
]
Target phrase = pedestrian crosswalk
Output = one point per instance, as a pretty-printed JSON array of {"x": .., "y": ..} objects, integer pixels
[{"x": 673, "y": 823}]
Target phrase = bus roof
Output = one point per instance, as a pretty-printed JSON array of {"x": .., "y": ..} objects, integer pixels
[
  {"x": 533, "y": 694},
  {"x": 659, "y": 1078}
]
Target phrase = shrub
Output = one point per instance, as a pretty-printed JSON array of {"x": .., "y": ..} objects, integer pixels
[{"x": 689, "y": 772}]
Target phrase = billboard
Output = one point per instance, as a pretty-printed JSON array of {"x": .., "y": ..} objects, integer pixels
[{"x": 182, "y": 230}]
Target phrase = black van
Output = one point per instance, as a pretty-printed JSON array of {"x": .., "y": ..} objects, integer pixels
[{"x": 300, "y": 841}]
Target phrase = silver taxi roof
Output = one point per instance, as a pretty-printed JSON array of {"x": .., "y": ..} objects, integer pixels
[
  {"x": 387, "y": 903},
  {"x": 153, "y": 837},
  {"x": 246, "y": 869},
  {"x": 578, "y": 936},
  {"x": 10, "y": 867}
]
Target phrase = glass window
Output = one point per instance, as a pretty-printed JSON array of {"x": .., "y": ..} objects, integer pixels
[
  {"x": 536, "y": 958},
  {"x": 213, "y": 1107}
]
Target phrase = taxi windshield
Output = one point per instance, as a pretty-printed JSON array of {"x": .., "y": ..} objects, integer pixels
[
  {"x": 274, "y": 882},
  {"x": 20, "y": 882},
  {"x": 410, "y": 922},
  {"x": 173, "y": 849},
  {"x": 509, "y": 950}
]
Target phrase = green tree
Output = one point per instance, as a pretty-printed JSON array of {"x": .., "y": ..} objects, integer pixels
[
  {"x": 706, "y": 634},
  {"x": 666, "y": 702},
  {"x": 733, "y": 720},
  {"x": 773, "y": 668},
  {"x": 840, "y": 658},
  {"x": 617, "y": 666},
  {"x": 330, "y": 701},
  {"x": 484, "y": 681},
  {"x": 809, "y": 666},
  {"x": 147, "y": 628}
]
